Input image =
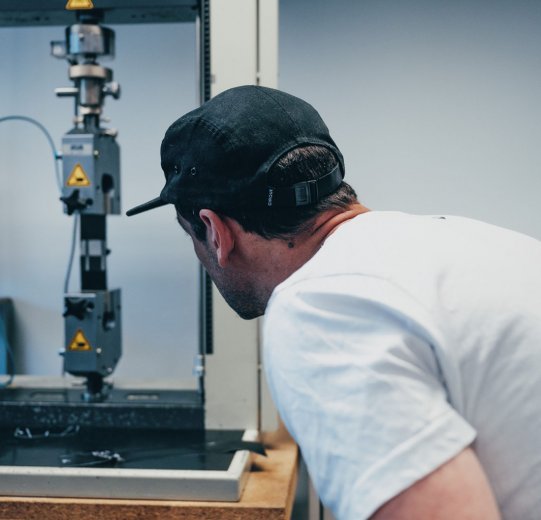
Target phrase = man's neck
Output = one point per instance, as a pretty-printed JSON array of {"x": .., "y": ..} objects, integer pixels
[
  {"x": 327, "y": 223},
  {"x": 282, "y": 258}
]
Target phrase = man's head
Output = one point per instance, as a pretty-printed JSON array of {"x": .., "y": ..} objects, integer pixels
[
  {"x": 301, "y": 164},
  {"x": 249, "y": 172}
]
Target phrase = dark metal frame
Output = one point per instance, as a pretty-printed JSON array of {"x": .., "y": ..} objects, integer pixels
[{"x": 52, "y": 12}]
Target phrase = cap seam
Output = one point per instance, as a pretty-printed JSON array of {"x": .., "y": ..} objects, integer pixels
[
  {"x": 217, "y": 131},
  {"x": 281, "y": 106}
]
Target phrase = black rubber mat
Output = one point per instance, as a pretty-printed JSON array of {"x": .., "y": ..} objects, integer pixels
[{"x": 120, "y": 448}]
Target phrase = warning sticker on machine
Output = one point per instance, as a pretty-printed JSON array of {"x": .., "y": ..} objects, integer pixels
[
  {"x": 78, "y": 177},
  {"x": 79, "y": 342},
  {"x": 79, "y": 4}
]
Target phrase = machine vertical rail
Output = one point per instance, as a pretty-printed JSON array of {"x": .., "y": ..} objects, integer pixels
[{"x": 205, "y": 283}]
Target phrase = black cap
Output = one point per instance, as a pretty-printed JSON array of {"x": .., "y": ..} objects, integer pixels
[{"x": 218, "y": 155}]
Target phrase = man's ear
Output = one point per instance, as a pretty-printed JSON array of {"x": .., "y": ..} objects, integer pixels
[{"x": 220, "y": 236}]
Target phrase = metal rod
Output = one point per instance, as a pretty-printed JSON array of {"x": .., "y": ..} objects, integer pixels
[{"x": 205, "y": 283}]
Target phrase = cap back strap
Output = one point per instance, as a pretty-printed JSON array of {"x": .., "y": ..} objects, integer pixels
[{"x": 305, "y": 192}]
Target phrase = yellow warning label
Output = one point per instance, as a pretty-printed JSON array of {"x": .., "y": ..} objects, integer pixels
[
  {"x": 79, "y": 4},
  {"x": 78, "y": 177},
  {"x": 79, "y": 342}
]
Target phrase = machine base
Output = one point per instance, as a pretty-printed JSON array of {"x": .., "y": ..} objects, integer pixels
[
  {"x": 33, "y": 405},
  {"x": 144, "y": 441}
]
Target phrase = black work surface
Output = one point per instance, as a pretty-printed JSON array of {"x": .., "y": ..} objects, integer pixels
[
  {"x": 122, "y": 408},
  {"x": 138, "y": 449}
]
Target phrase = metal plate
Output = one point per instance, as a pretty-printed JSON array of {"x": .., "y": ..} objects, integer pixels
[{"x": 157, "y": 465}]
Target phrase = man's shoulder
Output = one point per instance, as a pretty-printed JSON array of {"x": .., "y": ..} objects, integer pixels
[{"x": 346, "y": 252}]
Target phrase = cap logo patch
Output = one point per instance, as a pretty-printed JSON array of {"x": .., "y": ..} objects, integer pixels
[{"x": 270, "y": 197}]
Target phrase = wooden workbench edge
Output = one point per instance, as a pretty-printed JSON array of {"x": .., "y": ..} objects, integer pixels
[{"x": 268, "y": 495}]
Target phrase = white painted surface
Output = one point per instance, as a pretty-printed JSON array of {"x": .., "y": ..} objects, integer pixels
[
  {"x": 435, "y": 105},
  {"x": 268, "y": 77},
  {"x": 268, "y": 42},
  {"x": 233, "y": 33}
]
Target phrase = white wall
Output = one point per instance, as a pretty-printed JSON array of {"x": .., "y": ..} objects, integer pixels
[
  {"x": 151, "y": 259},
  {"x": 435, "y": 104}
]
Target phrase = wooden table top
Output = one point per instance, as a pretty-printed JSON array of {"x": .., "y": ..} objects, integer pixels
[{"x": 268, "y": 495}]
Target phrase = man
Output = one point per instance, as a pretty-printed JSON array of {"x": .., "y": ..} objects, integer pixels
[{"x": 403, "y": 352}]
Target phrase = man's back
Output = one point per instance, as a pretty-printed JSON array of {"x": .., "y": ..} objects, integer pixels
[{"x": 403, "y": 339}]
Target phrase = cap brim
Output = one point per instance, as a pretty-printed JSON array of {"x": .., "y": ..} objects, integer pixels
[{"x": 151, "y": 204}]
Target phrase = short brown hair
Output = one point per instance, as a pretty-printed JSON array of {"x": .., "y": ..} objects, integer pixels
[{"x": 300, "y": 164}]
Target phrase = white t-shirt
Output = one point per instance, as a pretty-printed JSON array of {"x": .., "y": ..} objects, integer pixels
[{"x": 402, "y": 341}]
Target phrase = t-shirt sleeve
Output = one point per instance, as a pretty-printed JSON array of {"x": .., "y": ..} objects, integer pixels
[{"x": 360, "y": 389}]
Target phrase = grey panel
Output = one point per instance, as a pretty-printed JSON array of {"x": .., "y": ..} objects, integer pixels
[{"x": 6, "y": 315}]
